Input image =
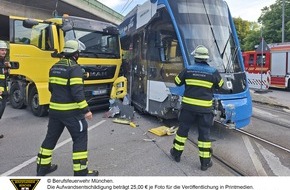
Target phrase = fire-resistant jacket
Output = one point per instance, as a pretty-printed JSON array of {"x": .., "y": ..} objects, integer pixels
[
  {"x": 67, "y": 90},
  {"x": 3, "y": 76},
  {"x": 200, "y": 82}
]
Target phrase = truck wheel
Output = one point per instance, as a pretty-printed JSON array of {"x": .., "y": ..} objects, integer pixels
[
  {"x": 16, "y": 96},
  {"x": 36, "y": 109}
]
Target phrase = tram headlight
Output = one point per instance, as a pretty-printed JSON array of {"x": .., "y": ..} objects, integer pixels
[{"x": 244, "y": 84}]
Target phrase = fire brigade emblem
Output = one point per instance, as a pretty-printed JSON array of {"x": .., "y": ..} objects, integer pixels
[{"x": 24, "y": 184}]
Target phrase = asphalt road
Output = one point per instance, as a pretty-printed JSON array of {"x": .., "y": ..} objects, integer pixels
[
  {"x": 120, "y": 150},
  {"x": 114, "y": 149}
]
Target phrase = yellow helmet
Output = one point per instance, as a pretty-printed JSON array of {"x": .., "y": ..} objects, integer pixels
[
  {"x": 3, "y": 45},
  {"x": 200, "y": 52},
  {"x": 72, "y": 46}
]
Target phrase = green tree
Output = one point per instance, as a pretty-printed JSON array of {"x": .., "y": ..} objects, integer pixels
[
  {"x": 242, "y": 27},
  {"x": 269, "y": 25},
  {"x": 248, "y": 33},
  {"x": 252, "y": 39},
  {"x": 271, "y": 20}
]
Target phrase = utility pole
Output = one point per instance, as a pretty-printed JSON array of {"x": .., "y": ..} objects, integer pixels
[
  {"x": 262, "y": 58},
  {"x": 261, "y": 45},
  {"x": 283, "y": 21}
]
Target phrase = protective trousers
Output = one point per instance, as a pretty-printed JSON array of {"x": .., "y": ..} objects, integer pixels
[
  {"x": 204, "y": 122},
  {"x": 3, "y": 101},
  {"x": 78, "y": 129}
]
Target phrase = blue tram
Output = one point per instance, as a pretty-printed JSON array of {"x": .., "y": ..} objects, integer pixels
[{"x": 158, "y": 38}]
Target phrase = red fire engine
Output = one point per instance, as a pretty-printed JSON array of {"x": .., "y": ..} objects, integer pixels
[{"x": 275, "y": 70}]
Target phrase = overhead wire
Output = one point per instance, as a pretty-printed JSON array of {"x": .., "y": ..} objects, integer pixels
[{"x": 126, "y": 6}]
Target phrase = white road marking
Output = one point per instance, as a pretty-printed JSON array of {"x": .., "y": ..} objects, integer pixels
[
  {"x": 33, "y": 159},
  {"x": 256, "y": 162},
  {"x": 274, "y": 162}
]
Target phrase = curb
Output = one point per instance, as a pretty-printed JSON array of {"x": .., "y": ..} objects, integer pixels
[{"x": 266, "y": 100}]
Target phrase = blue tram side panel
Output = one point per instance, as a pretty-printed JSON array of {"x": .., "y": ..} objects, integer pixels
[{"x": 158, "y": 38}]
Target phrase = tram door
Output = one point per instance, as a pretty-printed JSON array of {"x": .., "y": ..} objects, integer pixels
[{"x": 139, "y": 73}]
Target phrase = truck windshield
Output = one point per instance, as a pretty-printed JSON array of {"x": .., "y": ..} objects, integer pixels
[
  {"x": 206, "y": 22},
  {"x": 97, "y": 44}
]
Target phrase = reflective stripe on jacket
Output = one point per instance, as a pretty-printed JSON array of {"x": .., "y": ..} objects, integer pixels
[
  {"x": 3, "y": 76},
  {"x": 67, "y": 89},
  {"x": 199, "y": 81}
]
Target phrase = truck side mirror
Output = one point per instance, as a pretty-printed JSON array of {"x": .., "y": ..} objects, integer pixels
[
  {"x": 111, "y": 30},
  {"x": 56, "y": 54},
  {"x": 29, "y": 23},
  {"x": 67, "y": 25}
]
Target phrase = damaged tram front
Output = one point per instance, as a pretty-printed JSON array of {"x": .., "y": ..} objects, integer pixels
[{"x": 158, "y": 38}]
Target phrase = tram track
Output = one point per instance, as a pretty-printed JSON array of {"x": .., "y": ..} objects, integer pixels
[
  {"x": 274, "y": 109},
  {"x": 278, "y": 117},
  {"x": 236, "y": 169},
  {"x": 265, "y": 133},
  {"x": 267, "y": 114},
  {"x": 280, "y": 122},
  {"x": 262, "y": 140},
  {"x": 231, "y": 167}
]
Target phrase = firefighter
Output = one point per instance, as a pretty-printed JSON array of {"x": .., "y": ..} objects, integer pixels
[
  {"x": 197, "y": 105},
  {"x": 68, "y": 108},
  {"x": 4, "y": 71}
]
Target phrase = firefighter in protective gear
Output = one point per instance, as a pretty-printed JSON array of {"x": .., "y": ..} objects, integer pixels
[
  {"x": 68, "y": 108},
  {"x": 4, "y": 68},
  {"x": 197, "y": 104}
]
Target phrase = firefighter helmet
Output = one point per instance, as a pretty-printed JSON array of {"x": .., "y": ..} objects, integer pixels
[
  {"x": 3, "y": 45},
  {"x": 200, "y": 52},
  {"x": 73, "y": 46}
]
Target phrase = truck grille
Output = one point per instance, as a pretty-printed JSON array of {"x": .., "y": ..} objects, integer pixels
[{"x": 99, "y": 72}]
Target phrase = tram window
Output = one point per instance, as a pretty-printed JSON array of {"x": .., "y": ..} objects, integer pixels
[
  {"x": 152, "y": 50},
  {"x": 162, "y": 40},
  {"x": 172, "y": 51}
]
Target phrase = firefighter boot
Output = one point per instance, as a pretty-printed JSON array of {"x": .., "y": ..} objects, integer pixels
[
  {"x": 86, "y": 172},
  {"x": 44, "y": 170},
  {"x": 175, "y": 155},
  {"x": 205, "y": 163},
  {"x": 92, "y": 173}
]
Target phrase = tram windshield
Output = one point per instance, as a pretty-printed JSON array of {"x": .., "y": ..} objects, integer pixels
[{"x": 206, "y": 22}]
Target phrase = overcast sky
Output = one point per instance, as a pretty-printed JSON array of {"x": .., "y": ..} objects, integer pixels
[{"x": 246, "y": 9}]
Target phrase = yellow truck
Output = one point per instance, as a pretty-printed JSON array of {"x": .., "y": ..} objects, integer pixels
[{"x": 34, "y": 48}]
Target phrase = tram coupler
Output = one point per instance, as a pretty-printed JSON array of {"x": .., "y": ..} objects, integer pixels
[{"x": 224, "y": 114}]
